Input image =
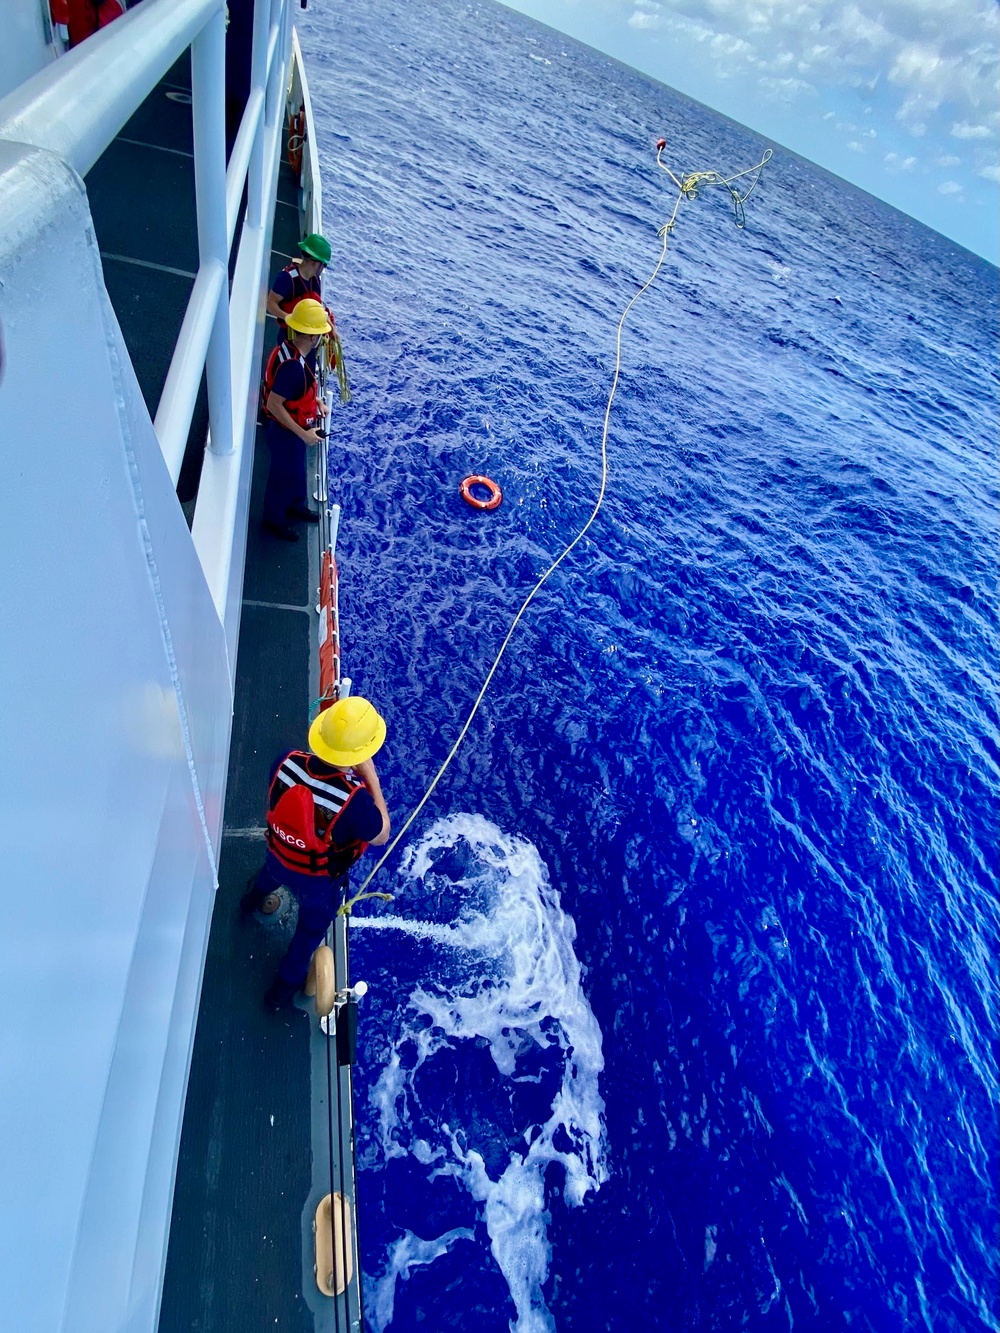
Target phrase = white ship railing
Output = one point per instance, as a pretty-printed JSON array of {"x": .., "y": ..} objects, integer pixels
[
  {"x": 75, "y": 108},
  {"x": 119, "y": 647}
]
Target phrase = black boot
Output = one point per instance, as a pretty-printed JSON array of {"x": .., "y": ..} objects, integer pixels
[
  {"x": 281, "y": 530},
  {"x": 252, "y": 899},
  {"x": 279, "y": 995}
]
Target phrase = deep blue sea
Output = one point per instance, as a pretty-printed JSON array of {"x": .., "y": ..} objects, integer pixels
[{"x": 684, "y": 1015}]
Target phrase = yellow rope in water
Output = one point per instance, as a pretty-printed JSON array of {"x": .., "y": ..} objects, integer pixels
[{"x": 687, "y": 188}]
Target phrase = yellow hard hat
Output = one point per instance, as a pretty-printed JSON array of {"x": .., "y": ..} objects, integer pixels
[
  {"x": 308, "y": 317},
  {"x": 347, "y": 732}
]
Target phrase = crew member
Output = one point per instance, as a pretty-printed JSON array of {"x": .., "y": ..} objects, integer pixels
[
  {"x": 299, "y": 279},
  {"x": 324, "y": 808},
  {"x": 293, "y": 409}
]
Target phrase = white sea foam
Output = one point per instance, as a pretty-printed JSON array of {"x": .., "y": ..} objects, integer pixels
[
  {"x": 408, "y": 1252},
  {"x": 513, "y": 980}
]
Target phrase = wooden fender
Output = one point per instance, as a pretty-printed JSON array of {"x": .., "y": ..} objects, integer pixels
[
  {"x": 334, "y": 1251},
  {"x": 320, "y": 980}
]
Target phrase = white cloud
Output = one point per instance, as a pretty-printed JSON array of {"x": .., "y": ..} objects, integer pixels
[
  {"x": 991, "y": 173},
  {"x": 950, "y": 188},
  {"x": 922, "y": 72},
  {"x": 724, "y": 47},
  {"x": 964, "y": 131},
  {"x": 911, "y": 115},
  {"x": 896, "y": 163},
  {"x": 941, "y": 61},
  {"x": 785, "y": 89},
  {"x": 947, "y": 160},
  {"x": 642, "y": 18}
]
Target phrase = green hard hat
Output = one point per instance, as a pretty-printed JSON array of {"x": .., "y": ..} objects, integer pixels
[{"x": 316, "y": 247}]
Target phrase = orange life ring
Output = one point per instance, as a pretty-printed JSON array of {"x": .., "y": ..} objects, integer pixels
[
  {"x": 296, "y": 138},
  {"x": 491, "y": 501}
]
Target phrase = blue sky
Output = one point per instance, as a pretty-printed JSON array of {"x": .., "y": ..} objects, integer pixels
[{"x": 901, "y": 97}]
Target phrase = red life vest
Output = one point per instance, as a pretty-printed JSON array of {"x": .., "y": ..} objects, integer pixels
[
  {"x": 85, "y": 17},
  {"x": 303, "y": 410},
  {"x": 301, "y": 288},
  {"x": 305, "y": 801}
]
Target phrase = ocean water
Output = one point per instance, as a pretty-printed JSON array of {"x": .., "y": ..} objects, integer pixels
[{"x": 684, "y": 1014}]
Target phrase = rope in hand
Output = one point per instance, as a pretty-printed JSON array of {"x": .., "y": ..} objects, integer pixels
[
  {"x": 335, "y": 358},
  {"x": 687, "y": 188}
]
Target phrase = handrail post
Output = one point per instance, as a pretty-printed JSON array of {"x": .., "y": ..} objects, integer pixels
[
  {"x": 286, "y": 33},
  {"x": 274, "y": 93},
  {"x": 258, "y": 83},
  {"x": 208, "y": 66}
]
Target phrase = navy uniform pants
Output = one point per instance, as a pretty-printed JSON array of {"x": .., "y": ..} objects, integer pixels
[
  {"x": 286, "y": 476},
  {"x": 318, "y": 897}
]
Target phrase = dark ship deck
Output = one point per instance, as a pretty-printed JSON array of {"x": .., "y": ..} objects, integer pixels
[{"x": 253, "y": 1157}]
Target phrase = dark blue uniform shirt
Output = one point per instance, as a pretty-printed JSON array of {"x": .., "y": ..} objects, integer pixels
[{"x": 283, "y": 287}]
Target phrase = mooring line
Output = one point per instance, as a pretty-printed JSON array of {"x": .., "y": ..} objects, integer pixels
[{"x": 687, "y": 189}]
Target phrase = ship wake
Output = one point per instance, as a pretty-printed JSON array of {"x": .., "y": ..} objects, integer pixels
[{"x": 499, "y": 992}]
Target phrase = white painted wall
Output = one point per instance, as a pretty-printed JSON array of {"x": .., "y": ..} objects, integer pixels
[
  {"x": 25, "y": 48},
  {"x": 114, "y": 734}
]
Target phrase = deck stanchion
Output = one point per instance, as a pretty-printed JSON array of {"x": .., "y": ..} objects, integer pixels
[
  {"x": 208, "y": 81},
  {"x": 241, "y": 163},
  {"x": 275, "y": 62},
  {"x": 173, "y": 416},
  {"x": 258, "y": 87}
]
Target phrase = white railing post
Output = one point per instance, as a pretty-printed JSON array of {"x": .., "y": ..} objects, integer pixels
[
  {"x": 258, "y": 86},
  {"x": 208, "y": 78},
  {"x": 275, "y": 95},
  {"x": 286, "y": 30}
]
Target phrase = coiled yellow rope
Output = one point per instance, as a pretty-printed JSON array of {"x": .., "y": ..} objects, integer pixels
[
  {"x": 335, "y": 357},
  {"x": 687, "y": 188}
]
